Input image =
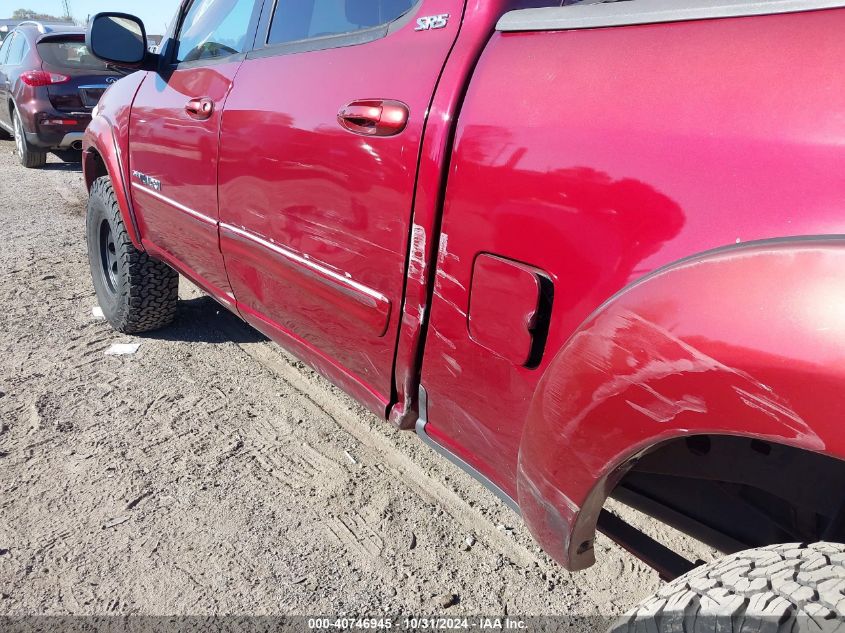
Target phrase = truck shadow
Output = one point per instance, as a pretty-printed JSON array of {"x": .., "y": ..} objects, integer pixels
[
  {"x": 203, "y": 320},
  {"x": 68, "y": 167},
  {"x": 70, "y": 161}
]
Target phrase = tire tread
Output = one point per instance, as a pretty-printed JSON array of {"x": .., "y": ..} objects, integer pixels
[
  {"x": 789, "y": 588},
  {"x": 148, "y": 301}
]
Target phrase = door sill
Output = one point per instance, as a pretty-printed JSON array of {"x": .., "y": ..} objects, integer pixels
[{"x": 422, "y": 421}]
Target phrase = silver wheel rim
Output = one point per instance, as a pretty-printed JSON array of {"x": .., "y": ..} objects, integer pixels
[{"x": 18, "y": 134}]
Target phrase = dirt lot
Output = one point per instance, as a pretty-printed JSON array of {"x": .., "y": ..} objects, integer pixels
[{"x": 210, "y": 473}]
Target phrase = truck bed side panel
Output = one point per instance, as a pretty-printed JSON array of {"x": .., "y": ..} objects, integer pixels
[{"x": 598, "y": 156}]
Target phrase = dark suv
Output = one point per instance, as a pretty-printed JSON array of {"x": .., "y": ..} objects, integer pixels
[{"x": 49, "y": 84}]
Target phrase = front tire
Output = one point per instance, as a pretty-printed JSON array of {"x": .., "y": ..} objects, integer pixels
[
  {"x": 136, "y": 292},
  {"x": 30, "y": 157},
  {"x": 780, "y": 589}
]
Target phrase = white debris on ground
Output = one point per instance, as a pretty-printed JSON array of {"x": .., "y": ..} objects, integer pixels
[{"x": 122, "y": 349}]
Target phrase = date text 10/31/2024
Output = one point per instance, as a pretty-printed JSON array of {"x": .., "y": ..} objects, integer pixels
[{"x": 417, "y": 624}]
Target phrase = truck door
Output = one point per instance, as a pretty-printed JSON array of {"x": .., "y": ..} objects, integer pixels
[
  {"x": 319, "y": 149},
  {"x": 174, "y": 132}
]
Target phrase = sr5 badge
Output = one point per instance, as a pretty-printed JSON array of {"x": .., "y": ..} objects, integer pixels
[{"x": 430, "y": 22}]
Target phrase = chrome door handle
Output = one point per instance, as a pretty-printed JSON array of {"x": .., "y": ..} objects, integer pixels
[
  {"x": 374, "y": 117},
  {"x": 200, "y": 108}
]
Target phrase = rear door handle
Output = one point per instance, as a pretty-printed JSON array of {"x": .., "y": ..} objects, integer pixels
[
  {"x": 374, "y": 117},
  {"x": 200, "y": 108}
]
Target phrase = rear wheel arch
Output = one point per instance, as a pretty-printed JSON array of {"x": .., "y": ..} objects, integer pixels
[
  {"x": 737, "y": 492},
  {"x": 644, "y": 370}
]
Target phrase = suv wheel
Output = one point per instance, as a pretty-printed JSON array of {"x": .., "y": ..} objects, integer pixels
[
  {"x": 781, "y": 588},
  {"x": 136, "y": 292},
  {"x": 29, "y": 156}
]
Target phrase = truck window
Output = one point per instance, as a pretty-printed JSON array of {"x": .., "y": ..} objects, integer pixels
[
  {"x": 295, "y": 20},
  {"x": 213, "y": 29}
]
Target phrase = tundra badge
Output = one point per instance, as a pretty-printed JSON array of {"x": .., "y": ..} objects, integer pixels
[{"x": 147, "y": 181}]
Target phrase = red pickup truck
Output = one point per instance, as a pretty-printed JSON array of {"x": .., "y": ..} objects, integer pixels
[{"x": 586, "y": 251}]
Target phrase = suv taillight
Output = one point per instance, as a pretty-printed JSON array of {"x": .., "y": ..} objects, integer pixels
[{"x": 43, "y": 78}]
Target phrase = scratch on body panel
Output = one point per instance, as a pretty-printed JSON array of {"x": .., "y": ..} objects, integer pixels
[
  {"x": 327, "y": 228},
  {"x": 416, "y": 264},
  {"x": 565, "y": 502},
  {"x": 442, "y": 274},
  {"x": 670, "y": 408},
  {"x": 494, "y": 444},
  {"x": 444, "y": 250},
  {"x": 558, "y": 509},
  {"x": 448, "y": 342},
  {"x": 421, "y": 308},
  {"x": 453, "y": 366},
  {"x": 651, "y": 354},
  {"x": 771, "y": 408},
  {"x": 450, "y": 304}
]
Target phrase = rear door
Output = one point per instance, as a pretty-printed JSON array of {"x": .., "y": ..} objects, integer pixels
[
  {"x": 5, "y": 82},
  {"x": 174, "y": 133},
  {"x": 319, "y": 150},
  {"x": 11, "y": 70}
]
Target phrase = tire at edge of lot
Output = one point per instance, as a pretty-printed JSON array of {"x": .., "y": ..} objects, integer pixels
[
  {"x": 147, "y": 289},
  {"x": 788, "y": 588}
]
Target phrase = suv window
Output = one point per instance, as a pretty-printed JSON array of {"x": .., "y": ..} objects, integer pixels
[
  {"x": 17, "y": 50},
  {"x": 69, "y": 54},
  {"x": 213, "y": 29},
  {"x": 4, "y": 50},
  {"x": 295, "y": 20}
]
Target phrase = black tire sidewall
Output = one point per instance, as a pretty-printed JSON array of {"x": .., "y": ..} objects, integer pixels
[
  {"x": 115, "y": 305},
  {"x": 24, "y": 148},
  {"x": 28, "y": 158}
]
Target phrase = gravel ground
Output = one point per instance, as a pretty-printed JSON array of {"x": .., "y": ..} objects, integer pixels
[{"x": 210, "y": 473}]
